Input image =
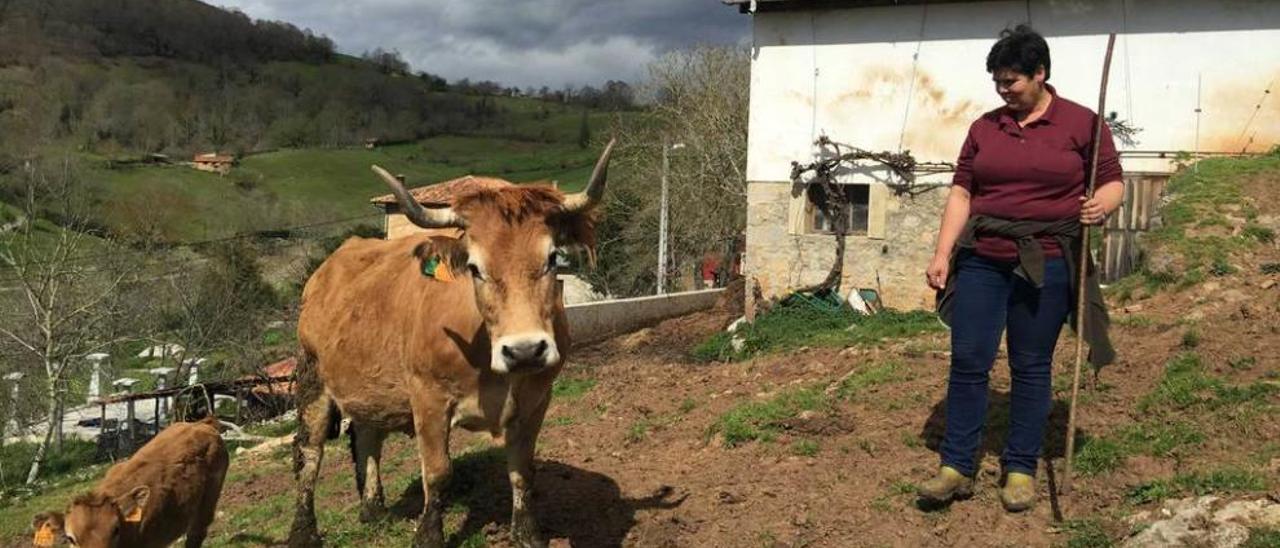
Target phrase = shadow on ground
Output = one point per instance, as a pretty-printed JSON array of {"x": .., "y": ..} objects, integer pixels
[{"x": 585, "y": 507}]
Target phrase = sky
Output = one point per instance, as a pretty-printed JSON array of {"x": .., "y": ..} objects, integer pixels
[{"x": 525, "y": 43}]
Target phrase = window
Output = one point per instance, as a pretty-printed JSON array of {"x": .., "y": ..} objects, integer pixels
[{"x": 859, "y": 197}]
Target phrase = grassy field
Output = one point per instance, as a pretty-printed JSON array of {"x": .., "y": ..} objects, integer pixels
[{"x": 304, "y": 186}]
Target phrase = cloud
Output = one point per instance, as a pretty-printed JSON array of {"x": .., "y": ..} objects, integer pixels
[{"x": 515, "y": 42}]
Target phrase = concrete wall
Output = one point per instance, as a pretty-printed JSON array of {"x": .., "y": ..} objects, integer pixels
[
  {"x": 913, "y": 78},
  {"x": 594, "y": 322}
]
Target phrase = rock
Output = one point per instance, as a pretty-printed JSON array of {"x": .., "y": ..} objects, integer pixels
[
  {"x": 736, "y": 324},
  {"x": 1233, "y": 296},
  {"x": 1268, "y": 284},
  {"x": 1204, "y": 521},
  {"x": 738, "y": 343}
]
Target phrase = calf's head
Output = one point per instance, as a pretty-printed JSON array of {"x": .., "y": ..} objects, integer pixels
[
  {"x": 507, "y": 250},
  {"x": 93, "y": 520}
]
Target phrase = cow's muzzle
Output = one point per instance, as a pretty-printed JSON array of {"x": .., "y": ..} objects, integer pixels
[{"x": 517, "y": 353}]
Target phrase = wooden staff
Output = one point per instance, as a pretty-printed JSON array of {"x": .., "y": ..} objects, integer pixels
[{"x": 1082, "y": 266}]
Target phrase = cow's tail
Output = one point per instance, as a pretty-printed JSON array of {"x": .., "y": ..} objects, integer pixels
[{"x": 307, "y": 389}]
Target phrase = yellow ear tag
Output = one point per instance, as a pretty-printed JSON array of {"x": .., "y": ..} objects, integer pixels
[
  {"x": 44, "y": 536},
  {"x": 134, "y": 516}
]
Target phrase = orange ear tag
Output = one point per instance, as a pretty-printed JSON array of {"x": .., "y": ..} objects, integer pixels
[
  {"x": 134, "y": 516},
  {"x": 443, "y": 272},
  {"x": 44, "y": 536}
]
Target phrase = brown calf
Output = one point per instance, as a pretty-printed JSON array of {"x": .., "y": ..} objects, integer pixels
[{"x": 169, "y": 488}]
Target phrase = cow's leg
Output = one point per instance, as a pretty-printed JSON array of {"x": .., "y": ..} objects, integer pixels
[
  {"x": 200, "y": 522},
  {"x": 531, "y": 399},
  {"x": 366, "y": 451},
  {"x": 431, "y": 427},
  {"x": 308, "y": 450}
]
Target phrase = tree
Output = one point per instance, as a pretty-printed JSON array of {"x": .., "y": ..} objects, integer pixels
[
  {"x": 701, "y": 103},
  {"x": 221, "y": 306},
  {"x": 584, "y": 130},
  {"x": 69, "y": 285}
]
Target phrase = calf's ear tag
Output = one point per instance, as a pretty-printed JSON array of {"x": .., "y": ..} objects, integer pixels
[
  {"x": 437, "y": 268},
  {"x": 44, "y": 536},
  {"x": 135, "y": 515}
]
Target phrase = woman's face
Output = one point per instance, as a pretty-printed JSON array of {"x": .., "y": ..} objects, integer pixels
[{"x": 1019, "y": 91}]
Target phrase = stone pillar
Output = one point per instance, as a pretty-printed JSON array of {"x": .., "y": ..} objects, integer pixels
[
  {"x": 95, "y": 377},
  {"x": 12, "y": 404}
]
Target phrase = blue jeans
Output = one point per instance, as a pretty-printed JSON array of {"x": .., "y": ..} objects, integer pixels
[{"x": 990, "y": 298}]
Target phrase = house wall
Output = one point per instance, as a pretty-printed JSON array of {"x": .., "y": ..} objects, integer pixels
[{"x": 913, "y": 78}]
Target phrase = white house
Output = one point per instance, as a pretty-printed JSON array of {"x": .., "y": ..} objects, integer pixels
[{"x": 1195, "y": 76}]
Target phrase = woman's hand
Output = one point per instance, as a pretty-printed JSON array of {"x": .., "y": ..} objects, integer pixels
[
  {"x": 1092, "y": 211},
  {"x": 936, "y": 274}
]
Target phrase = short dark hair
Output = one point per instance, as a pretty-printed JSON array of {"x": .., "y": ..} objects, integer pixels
[{"x": 1021, "y": 49}]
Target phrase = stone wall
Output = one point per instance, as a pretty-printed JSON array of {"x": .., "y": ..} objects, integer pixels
[{"x": 781, "y": 257}]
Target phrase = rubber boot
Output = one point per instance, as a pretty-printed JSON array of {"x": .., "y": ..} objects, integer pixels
[
  {"x": 1019, "y": 491},
  {"x": 948, "y": 485}
]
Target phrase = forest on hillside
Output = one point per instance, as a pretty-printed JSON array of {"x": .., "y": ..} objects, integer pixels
[{"x": 134, "y": 77}]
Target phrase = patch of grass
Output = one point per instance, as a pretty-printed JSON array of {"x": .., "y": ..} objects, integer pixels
[
  {"x": 1270, "y": 268},
  {"x": 1244, "y": 363},
  {"x": 569, "y": 388},
  {"x": 1186, "y": 384},
  {"x": 900, "y": 487},
  {"x": 852, "y": 385},
  {"x": 1134, "y": 320},
  {"x": 1161, "y": 440},
  {"x": 16, "y": 457},
  {"x": 1099, "y": 455},
  {"x": 1183, "y": 384},
  {"x": 638, "y": 431},
  {"x": 1151, "y": 491},
  {"x": 797, "y": 324},
  {"x": 1262, "y": 538},
  {"x": 761, "y": 420},
  {"x": 912, "y": 441},
  {"x": 805, "y": 448},
  {"x": 1220, "y": 481},
  {"x": 1086, "y": 533},
  {"x": 1225, "y": 480},
  {"x": 687, "y": 405},
  {"x": 561, "y": 421},
  {"x": 1190, "y": 339},
  {"x": 1221, "y": 267},
  {"x": 272, "y": 429},
  {"x": 1259, "y": 233}
]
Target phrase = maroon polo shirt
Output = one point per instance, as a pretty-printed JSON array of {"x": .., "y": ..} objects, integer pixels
[{"x": 1037, "y": 172}]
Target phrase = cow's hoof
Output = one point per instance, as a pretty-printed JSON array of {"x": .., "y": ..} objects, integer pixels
[
  {"x": 528, "y": 541},
  {"x": 525, "y": 533},
  {"x": 371, "y": 513},
  {"x": 429, "y": 539},
  {"x": 304, "y": 539}
]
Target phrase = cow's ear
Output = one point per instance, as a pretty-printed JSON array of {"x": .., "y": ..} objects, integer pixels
[
  {"x": 442, "y": 257},
  {"x": 133, "y": 503},
  {"x": 47, "y": 529},
  {"x": 576, "y": 230}
]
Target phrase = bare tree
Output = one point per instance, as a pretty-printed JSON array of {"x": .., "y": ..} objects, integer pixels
[
  {"x": 697, "y": 98},
  {"x": 68, "y": 287}
]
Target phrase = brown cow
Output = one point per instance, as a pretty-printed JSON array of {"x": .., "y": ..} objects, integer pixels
[
  {"x": 168, "y": 489},
  {"x": 459, "y": 327}
]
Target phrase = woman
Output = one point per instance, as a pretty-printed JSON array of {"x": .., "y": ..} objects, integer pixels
[{"x": 1004, "y": 260}]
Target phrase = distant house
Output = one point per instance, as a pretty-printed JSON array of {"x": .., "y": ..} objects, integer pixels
[
  {"x": 214, "y": 162},
  {"x": 441, "y": 194},
  {"x": 371, "y": 143}
]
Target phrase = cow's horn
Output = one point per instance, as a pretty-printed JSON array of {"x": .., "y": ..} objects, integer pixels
[
  {"x": 418, "y": 215},
  {"x": 589, "y": 198}
]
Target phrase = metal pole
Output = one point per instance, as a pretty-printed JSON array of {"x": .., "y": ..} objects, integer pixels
[
  {"x": 662, "y": 224},
  {"x": 1082, "y": 267}
]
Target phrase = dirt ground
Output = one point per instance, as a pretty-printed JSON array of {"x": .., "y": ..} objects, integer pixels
[{"x": 632, "y": 462}]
